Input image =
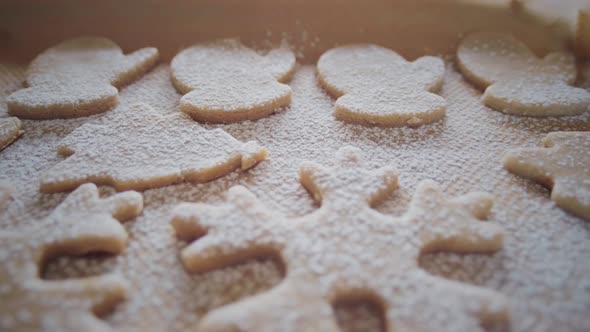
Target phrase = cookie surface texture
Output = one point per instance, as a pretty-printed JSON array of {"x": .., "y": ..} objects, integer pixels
[
  {"x": 376, "y": 86},
  {"x": 125, "y": 155},
  {"x": 82, "y": 224},
  {"x": 344, "y": 250},
  {"x": 10, "y": 130},
  {"x": 563, "y": 165},
  {"x": 516, "y": 81},
  {"x": 78, "y": 77},
  {"x": 226, "y": 82}
]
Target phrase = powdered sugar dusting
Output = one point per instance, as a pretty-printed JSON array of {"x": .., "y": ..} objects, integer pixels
[{"x": 542, "y": 268}]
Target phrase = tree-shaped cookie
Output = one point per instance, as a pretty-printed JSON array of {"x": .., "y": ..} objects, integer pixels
[
  {"x": 78, "y": 77},
  {"x": 225, "y": 82},
  {"x": 376, "y": 86},
  {"x": 346, "y": 250},
  {"x": 82, "y": 224},
  {"x": 145, "y": 150},
  {"x": 563, "y": 165},
  {"x": 516, "y": 81},
  {"x": 10, "y": 130}
]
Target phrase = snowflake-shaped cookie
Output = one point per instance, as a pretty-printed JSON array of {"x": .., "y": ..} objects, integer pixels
[
  {"x": 82, "y": 224},
  {"x": 563, "y": 165},
  {"x": 346, "y": 250},
  {"x": 225, "y": 81},
  {"x": 516, "y": 81},
  {"x": 376, "y": 86},
  {"x": 145, "y": 150},
  {"x": 78, "y": 77},
  {"x": 10, "y": 130}
]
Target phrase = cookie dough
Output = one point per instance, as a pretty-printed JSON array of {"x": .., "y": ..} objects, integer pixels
[
  {"x": 563, "y": 165},
  {"x": 344, "y": 250},
  {"x": 82, "y": 224},
  {"x": 376, "y": 86},
  {"x": 10, "y": 130},
  {"x": 518, "y": 82},
  {"x": 78, "y": 77},
  {"x": 226, "y": 82},
  {"x": 145, "y": 149}
]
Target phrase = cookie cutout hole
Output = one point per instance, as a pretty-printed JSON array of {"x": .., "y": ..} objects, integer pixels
[
  {"x": 360, "y": 311},
  {"x": 68, "y": 267}
]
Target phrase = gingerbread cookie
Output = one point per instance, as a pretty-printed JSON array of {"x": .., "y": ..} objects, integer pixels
[
  {"x": 10, "y": 130},
  {"x": 145, "y": 150},
  {"x": 346, "y": 250},
  {"x": 226, "y": 82},
  {"x": 82, "y": 224},
  {"x": 78, "y": 77},
  {"x": 563, "y": 165},
  {"x": 516, "y": 81},
  {"x": 376, "y": 86}
]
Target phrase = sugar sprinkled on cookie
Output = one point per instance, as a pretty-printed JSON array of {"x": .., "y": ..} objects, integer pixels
[
  {"x": 516, "y": 81},
  {"x": 563, "y": 165},
  {"x": 376, "y": 86},
  {"x": 78, "y": 77},
  {"x": 345, "y": 250},
  {"x": 226, "y": 82},
  {"x": 125, "y": 154},
  {"x": 83, "y": 223}
]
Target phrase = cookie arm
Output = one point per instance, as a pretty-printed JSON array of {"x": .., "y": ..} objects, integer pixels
[
  {"x": 308, "y": 312},
  {"x": 134, "y": 65}
]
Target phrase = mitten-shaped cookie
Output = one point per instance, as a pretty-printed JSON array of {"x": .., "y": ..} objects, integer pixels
[
  {"x": 376, "y": 86},
  {"x": 226, "y": 82},
  {"x": 78, "y": 77},
  {"x": 516, "y": 81}
]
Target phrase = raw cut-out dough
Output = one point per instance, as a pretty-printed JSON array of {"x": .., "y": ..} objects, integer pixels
[
  {"x": 78, "y": 77},
  {"x": 344, "y": 250},
  {"x": 226, "y": 82},
  {"x": 563, "y": 165},
  {"x": 10, "y": 130},
  {"x": 145, "y": 150},
  {"x": 82, "y": 224},
  {"x": 516, "y": 81},
  {"x": 376, "y": 86}
]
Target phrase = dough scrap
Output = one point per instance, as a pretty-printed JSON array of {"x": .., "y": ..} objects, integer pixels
[
  {"x": 82, "y": 224},
  {"x": 226, "y": 82},
  {"x": 78, "y": 77},
  {"x": 345, "y": 249},
  {"x": 563, "y": 165},
  {"x": 376, "y": 86},
  {"x": 516, "y": 81},
  {"x": 10, "y": 130},
  {"x": 147, "y": 150}
]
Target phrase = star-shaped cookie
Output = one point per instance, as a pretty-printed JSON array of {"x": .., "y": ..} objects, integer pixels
[
  {"x": 226, "y": 82},
  {"x": 518, "y": 82},
  {"x": 563, "y": 165},
  {"x": 78, "y": 77},
  {"x": 145, "y": 150},
  {"x": 376, "y": 86},
  {"x": 346, "y": 250},
  {"x": 83, "y": 223}
]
